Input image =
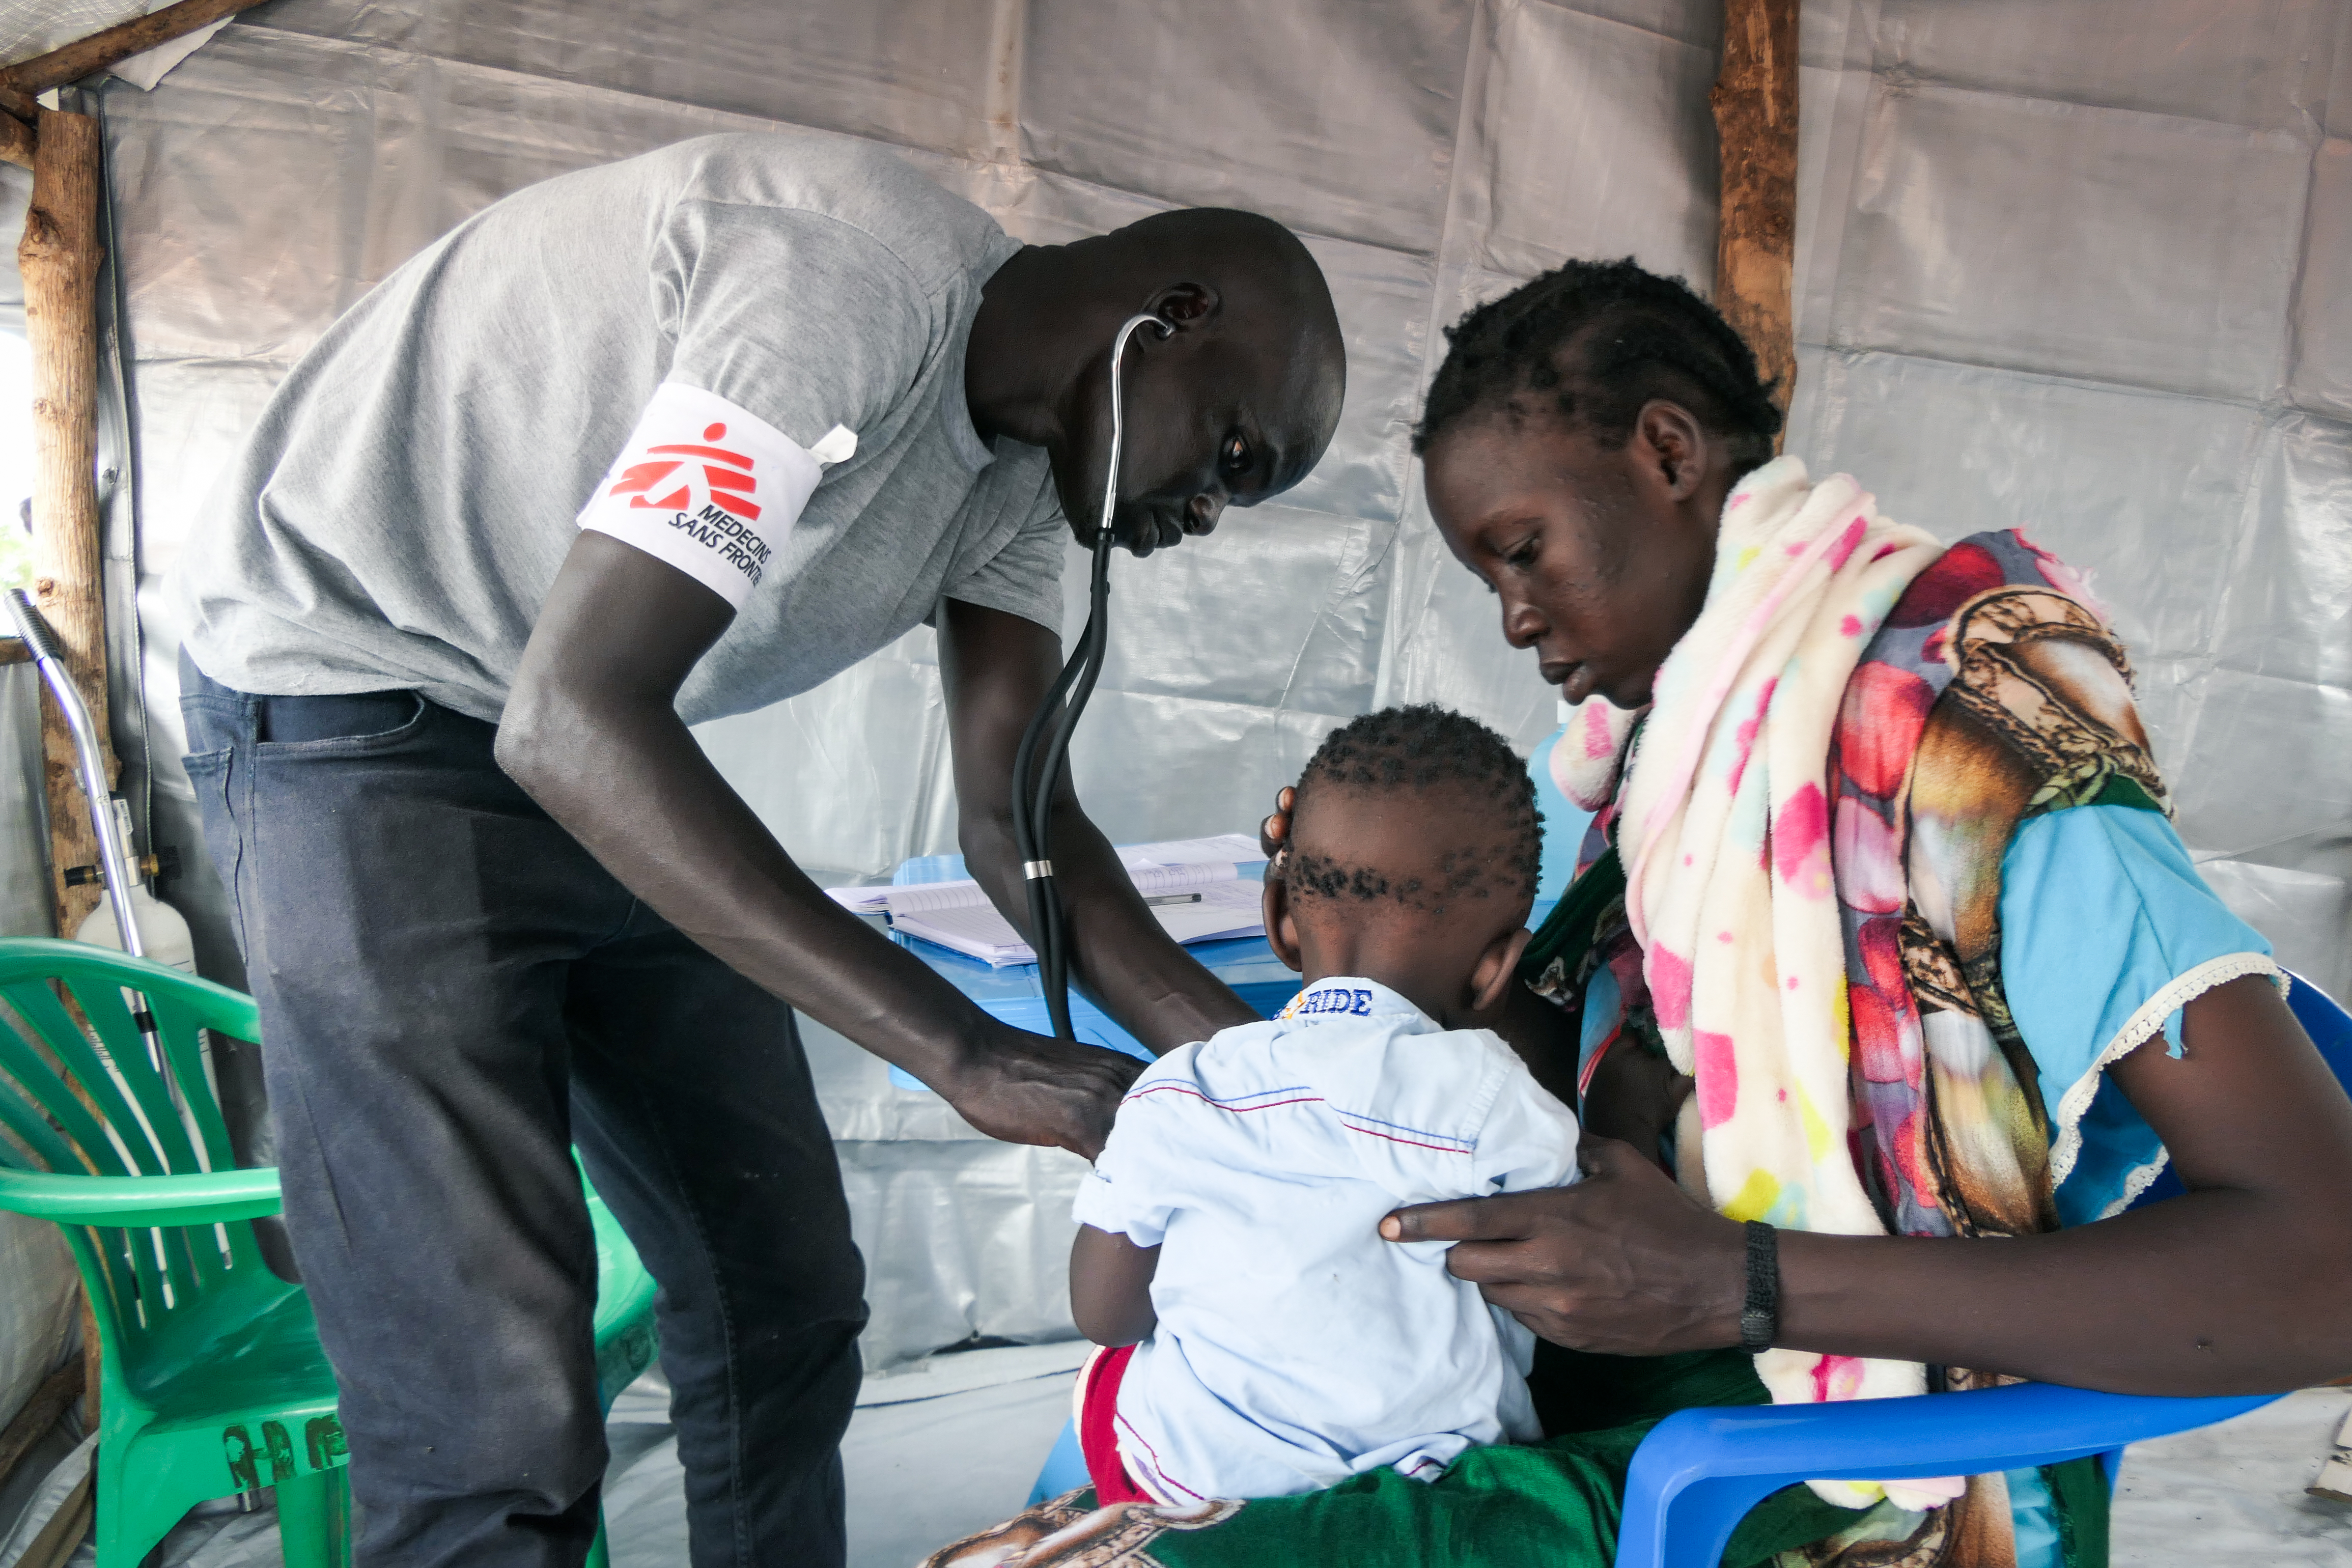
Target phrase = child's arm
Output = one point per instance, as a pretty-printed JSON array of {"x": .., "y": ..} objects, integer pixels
[{"x": 1110, "y": 1287}]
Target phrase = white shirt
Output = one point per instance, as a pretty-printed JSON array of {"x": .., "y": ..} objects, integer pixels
[{"x": 1295, "y": 1348}]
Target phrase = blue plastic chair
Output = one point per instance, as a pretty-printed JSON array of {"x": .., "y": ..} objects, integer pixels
[{"x": 1699, "y": 1471}]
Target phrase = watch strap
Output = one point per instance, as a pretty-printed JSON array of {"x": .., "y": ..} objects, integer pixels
[{"x": 1759, "y": 1316}]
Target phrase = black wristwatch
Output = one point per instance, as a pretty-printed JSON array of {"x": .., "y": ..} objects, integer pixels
[{"x": 1760, "y": 1318}]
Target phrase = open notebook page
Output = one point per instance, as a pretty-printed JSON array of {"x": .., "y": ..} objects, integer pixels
[
  {"x": 1227, "y": 908},
  {"x": 1149, "y": 880},
  {"x": 1224, "y": 849}
]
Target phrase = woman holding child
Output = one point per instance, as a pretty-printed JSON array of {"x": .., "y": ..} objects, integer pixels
[{"x": 1882, "y": 947}]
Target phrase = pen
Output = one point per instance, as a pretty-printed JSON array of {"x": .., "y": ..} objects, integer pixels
[{"x": 1172, "y": 898}]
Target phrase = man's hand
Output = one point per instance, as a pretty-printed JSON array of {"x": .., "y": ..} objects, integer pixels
[
  {"x": 1028, "y": 1089},
  {"x": 1622, "y": 1262}
]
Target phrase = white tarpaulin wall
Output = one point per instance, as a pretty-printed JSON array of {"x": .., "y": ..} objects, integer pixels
[{"x": 2078, "y": 265}]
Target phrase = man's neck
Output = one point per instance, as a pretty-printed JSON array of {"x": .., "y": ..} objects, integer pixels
[{"x": 1023, "y": 357}]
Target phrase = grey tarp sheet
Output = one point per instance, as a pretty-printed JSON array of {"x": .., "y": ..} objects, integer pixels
[{"x": 2077, "y": 265}]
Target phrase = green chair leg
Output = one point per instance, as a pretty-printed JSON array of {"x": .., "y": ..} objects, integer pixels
[
  {"x": 314, "y": 1519},
  {"x": 597, "y": 1555}
]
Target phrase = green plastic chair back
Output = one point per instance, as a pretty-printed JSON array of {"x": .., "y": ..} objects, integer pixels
[{"x": 213, "y": 1383}]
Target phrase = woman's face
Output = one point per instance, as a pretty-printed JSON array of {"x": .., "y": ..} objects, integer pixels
[{"x": 1600, "y": 558}]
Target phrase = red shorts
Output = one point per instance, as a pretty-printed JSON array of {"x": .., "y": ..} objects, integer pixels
[{"x": 1098, "y": 1403}]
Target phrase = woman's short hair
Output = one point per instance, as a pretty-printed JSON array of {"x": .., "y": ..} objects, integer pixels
[{"x": 1597, "y": 340}]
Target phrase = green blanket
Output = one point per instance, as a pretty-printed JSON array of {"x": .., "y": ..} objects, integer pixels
[{"x": 1553, "y": 1504}]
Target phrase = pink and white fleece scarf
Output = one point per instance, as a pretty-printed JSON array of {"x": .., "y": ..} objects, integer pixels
[{"x": 1725, "y": 833}]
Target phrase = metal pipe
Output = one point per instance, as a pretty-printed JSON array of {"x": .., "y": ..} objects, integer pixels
[{"x": 114, "y": 856}]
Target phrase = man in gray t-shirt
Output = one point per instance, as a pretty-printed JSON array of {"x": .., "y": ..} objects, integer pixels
[{"x": 638, "y": 446}]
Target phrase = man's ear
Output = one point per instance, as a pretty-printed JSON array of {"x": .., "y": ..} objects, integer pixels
[
  {"x": 1183, "y": 305},
  {"x": 1672, "y": 446},
  {"x": 1281, "y": 930},
  {"x": 1495, "y": 968}
]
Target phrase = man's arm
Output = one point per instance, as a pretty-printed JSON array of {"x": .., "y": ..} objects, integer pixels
[
  {"x": 591, "y": 731},
  {"x": 996, "y": 667},
  {"x": 1110, "y": 1287}
]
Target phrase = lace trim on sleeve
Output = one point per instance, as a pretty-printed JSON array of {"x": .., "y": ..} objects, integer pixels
[{"x": 2176, "y": 994}]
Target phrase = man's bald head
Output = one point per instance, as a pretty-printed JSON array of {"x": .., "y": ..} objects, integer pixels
[{"x": 1235, "y": 403}]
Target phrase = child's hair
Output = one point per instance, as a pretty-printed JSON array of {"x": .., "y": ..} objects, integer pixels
[
  {"x": 1649, "y": 337},
  {"x": 1419, "y": 748}
]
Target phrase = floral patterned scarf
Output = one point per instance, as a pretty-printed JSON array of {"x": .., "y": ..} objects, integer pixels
[{"x": 1992, "y": 691}]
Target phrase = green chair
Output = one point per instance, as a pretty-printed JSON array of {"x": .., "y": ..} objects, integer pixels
[{"x": 213, "y": 1381}]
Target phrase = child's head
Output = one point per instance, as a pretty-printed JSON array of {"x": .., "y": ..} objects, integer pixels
[{"x": 1414, "y": 852}]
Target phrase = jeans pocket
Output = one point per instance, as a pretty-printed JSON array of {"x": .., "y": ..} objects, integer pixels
[
  {"x": 208, "y": 779},
  {"x": 344, "y": 726}
]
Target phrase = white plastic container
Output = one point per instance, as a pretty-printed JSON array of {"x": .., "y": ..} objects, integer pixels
[{"x": 162, "y": 930}]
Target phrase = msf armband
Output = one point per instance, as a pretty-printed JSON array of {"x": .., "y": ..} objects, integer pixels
[{"x": 709, "y": 488}]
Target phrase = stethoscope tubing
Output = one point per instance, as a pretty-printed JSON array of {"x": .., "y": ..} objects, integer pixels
[{"x": 1056, "y": 720}]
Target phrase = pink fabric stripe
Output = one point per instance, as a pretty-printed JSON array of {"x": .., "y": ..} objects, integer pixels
[{"x": 1726, "y": 673}]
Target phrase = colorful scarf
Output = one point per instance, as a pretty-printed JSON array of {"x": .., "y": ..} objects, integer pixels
[
  {"x": 1725, "y": 832},
  {"x": 1992, "y": 693}
]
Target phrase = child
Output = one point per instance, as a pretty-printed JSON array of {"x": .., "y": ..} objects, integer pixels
[{"x": 1270, "y": 1342}]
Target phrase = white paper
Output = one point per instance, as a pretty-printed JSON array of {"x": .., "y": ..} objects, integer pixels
[
  {"x": 1233, "y": 847},
  {"x": 1226, "y": 849},
  {"x": 1227, "y": 908}
]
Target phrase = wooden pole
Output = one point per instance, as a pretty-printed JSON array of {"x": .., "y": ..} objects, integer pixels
[
  {"x": 1755, "y": 104},
  {"x": 101, "y": 49},
  {"x": 60, "y": 258}
]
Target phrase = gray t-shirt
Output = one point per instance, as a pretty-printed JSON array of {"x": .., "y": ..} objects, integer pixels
[{"x": 398, "y": 514}]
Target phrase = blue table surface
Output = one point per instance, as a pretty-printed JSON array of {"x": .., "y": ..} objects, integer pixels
[{"x": 1013, "y": 995}]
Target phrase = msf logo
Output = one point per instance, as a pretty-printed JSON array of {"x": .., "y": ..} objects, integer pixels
[
  {"x": 705, "y": 476},
  {"x": 707, "y": 492}
]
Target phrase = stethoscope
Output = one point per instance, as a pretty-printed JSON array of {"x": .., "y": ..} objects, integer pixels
[{"x": 1057, "y": 718}]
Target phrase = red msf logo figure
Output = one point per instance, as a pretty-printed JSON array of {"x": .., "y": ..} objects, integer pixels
[{"x": 721, "y": 479}]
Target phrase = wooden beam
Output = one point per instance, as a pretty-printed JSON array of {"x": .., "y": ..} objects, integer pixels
[
  {"x": 40, "y": 1412},
  {"x": 53, "y": 1546},
  {"x": 14, "y": 651},
  {"x": 59, "y": 258},
  {"x": 1755, "y": 104},
  {"x": 101, "y": 49},
  {"x": 15, "y": 140}
]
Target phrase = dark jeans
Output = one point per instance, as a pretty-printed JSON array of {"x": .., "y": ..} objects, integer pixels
[{"x": 452, "y": 993}]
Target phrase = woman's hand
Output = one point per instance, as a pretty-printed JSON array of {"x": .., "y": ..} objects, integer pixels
[
  {"x": 1274, "y": 833},
  {"x": 1623, "y": 1261},
  {"x": 1633, "y": 1097}
]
